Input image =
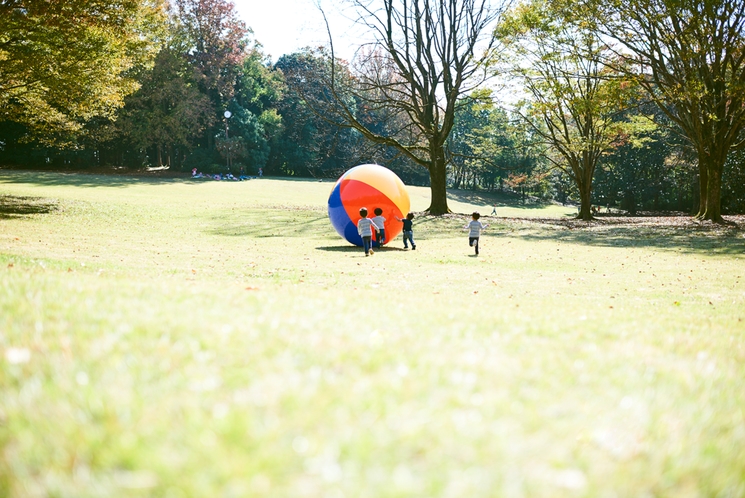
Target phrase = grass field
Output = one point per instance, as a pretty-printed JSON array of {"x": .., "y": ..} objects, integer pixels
[{"x": 181, "y": 339}]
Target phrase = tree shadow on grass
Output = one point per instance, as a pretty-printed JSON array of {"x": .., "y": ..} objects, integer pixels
[
  {"x": 351, "y": 249},
  {"x": 271, "y": 223},
  {"x": 92, "y": 180},
  {"x": 339, "y": 248},
  {"x": 12, "y": 206},
  {"x": 115, "y": 178},
  {"x": 448, "y": 225},
  {"x": 60, "y": 179},
  {"x": 675, "y": 233},
  {"x": 491, "y": 198}
]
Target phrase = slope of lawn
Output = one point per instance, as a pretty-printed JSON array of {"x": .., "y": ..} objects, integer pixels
[{"x": 189, "y": 339}]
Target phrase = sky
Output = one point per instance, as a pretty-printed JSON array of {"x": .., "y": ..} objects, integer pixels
[{"x": 285, "y": 26}]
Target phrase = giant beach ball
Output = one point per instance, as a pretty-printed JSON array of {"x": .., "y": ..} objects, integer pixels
[{"x": 371, "y": 186}]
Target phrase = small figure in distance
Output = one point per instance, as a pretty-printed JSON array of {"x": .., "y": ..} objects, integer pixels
[
  {"x": 261, "y": 172},
  {"x": 475, "y": 228},
  {"x": 365, "y": 228},
  {"x": 494, "y": 210},
  {"x": 408, "y": 230},
  {"x": 380, "y": 223}
]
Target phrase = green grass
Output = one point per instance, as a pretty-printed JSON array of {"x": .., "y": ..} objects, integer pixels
[{"x": 182, "y": 339}]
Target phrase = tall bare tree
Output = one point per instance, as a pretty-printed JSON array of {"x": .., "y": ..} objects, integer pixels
[
  {"x": 691, "y": 59},
  {"x": 425, "y": 55}
]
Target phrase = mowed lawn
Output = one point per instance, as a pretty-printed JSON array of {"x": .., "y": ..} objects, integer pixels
[{"x": 178, "y": 338}]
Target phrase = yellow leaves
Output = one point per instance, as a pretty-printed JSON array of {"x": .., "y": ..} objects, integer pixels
[{"x": 70, "y": 62}]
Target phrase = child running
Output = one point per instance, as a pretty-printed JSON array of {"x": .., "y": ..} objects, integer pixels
[
  {"x": 408, "y": 230},
  {"x": 365, "y": 228},
  {"x": 380, "y": 223},
  {"x": 475, "y": 228}
]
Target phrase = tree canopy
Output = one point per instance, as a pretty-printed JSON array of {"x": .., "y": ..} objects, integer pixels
[
  {"x": 63, "y": 63},
  {"x": 574, "y": 99},
  {"x": 690, "y": 56}
]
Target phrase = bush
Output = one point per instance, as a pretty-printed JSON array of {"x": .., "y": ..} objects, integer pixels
[{"x": 204, "y": 160}]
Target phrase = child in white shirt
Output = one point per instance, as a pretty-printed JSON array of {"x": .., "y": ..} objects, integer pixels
[
  {"x": 475, "y": 227},
  {"x": 365, "y": 228}
]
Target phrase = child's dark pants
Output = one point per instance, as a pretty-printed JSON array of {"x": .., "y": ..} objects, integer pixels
[
  {"x": 367, "y": 243},
  {"x": 474, "y": 242}
]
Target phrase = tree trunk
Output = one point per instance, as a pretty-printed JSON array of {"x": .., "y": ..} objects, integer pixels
[
  {"x": 438, "y": 184},
  {"x": 629, "y": 201},
  {"x": 703, "y": 182},
  {"x": 710, "y": 205},
  {"x": 713, "y": 209},
  {"x": 585, "y": 199}
]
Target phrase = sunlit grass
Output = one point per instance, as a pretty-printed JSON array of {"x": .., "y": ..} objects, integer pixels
[{"x": 170, "y": 338}]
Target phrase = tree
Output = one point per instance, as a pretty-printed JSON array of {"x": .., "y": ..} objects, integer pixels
[
  {"x": 63, "y": 63},
  {"x": 645, "y": 170},
  {"x": 255, "y": 119},
  {"x": 574, "y": 98},
  {"x": 215, "y": 40},
  {"x": 689, "y": 56},
  {"x": 487, "y": 146},
  {"x": 168, "y": 112},
  {"x": 312, "y": 142},
  {"x": 426, "y": 55}
]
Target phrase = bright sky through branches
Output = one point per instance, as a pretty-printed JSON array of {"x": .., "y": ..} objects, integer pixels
[{"x": 285, "y": 26}]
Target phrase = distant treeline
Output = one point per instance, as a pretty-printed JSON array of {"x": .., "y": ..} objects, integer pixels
[{"x": 192, "y": 61}]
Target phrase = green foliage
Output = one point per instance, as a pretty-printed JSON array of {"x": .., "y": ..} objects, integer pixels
[
  {"x": 312, "y": 142},
  {"x": 205, "y": 160},
  {"x": 688, "y": 57},
  {"x": 66, "y": 69},
  {"x": 168, "y": 112},
  {"x": 488, "y": 147},
  {"x": 733, "y": 183},
  {"x": 574, "y": 97},
  {"x": 254, "y": 115},
  {"x": 646, "y": 169},
  {"x": 259, "y": 86},
  {"x": 64, "y": 63}
]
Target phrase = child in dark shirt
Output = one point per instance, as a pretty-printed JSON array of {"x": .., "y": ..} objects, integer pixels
[
  {"x": 408, "y": 230},
  {"x": 380, "y": 223}
]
